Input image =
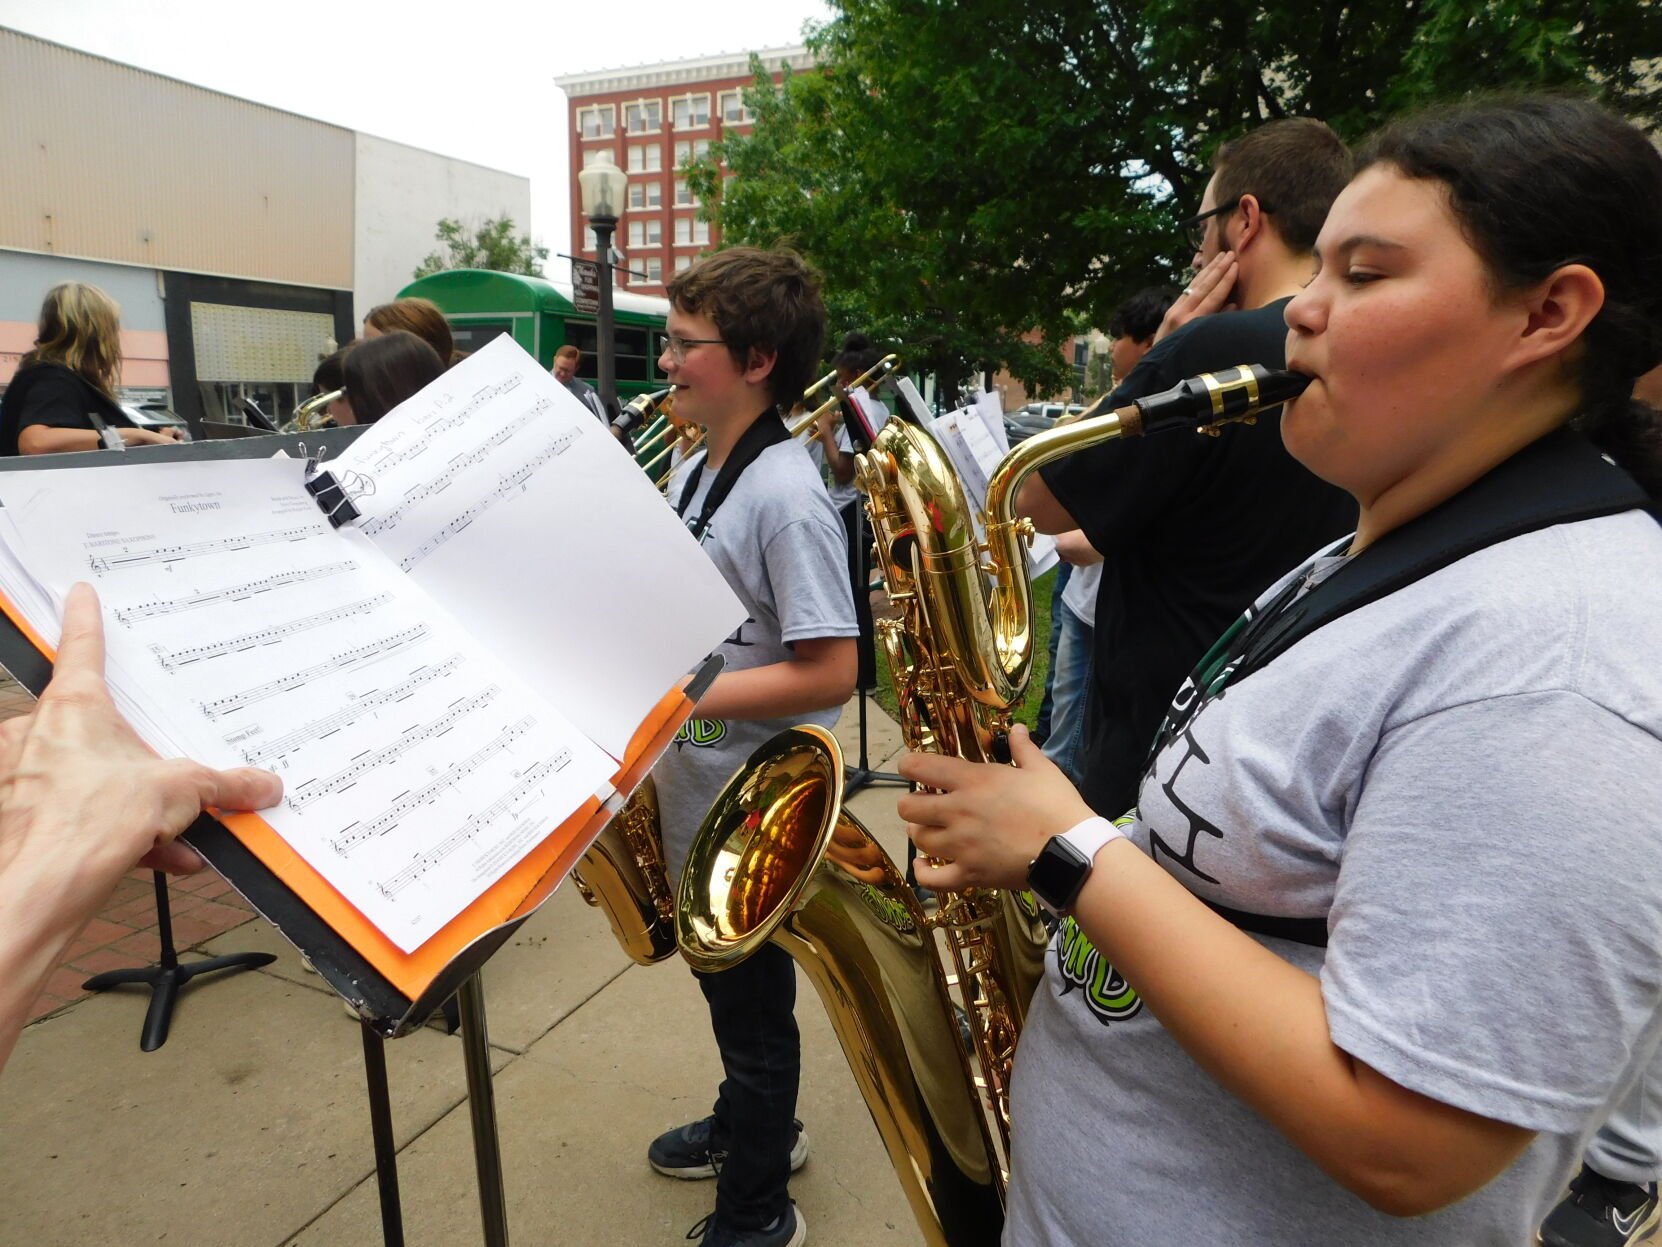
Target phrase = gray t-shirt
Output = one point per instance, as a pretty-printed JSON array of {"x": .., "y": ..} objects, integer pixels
[
  {"x": 780, "y": 546},
  {"x": 1465, "y": 779}
]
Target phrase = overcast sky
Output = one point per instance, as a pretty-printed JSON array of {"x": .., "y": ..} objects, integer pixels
[{"x": 471, "y": 80}]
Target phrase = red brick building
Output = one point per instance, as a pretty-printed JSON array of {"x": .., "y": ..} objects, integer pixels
[{"x": 654, "y": 119}]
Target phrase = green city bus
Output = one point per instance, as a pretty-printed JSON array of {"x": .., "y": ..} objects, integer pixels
[{"x": 538, "y": 313}]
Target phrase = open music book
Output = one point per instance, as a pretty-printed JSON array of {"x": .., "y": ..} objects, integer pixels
[{"x": 453, "y": 683}]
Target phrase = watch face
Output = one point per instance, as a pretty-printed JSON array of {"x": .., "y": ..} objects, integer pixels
[{"x": 1057, "y": 873}]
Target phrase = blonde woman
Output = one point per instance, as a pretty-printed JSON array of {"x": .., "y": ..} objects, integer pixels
[{"x": 65, "y": 388}]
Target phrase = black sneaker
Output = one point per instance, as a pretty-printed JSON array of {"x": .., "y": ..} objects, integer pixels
[
  {"x": 1601, "y": 1212},
  {"x": 688, "y": 1152},
  {"x": 788, "y": 1229}
]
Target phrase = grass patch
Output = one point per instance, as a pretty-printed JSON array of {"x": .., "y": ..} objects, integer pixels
[{"x": 1041, "y": 659}]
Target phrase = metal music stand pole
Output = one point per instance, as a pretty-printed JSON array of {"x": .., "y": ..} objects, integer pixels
[
  {"x": 168, "y": 975},
  {"x": 861, "y": 775},
  {"x": 380, "y": 1128},
  {"x": 481, "y": 1100}
]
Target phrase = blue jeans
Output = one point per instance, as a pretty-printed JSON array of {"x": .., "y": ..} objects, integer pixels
[
  {"x": 1041, "y": 721},
  {"x": 752, "y": 1011},
  {"x": 1070, "y": 690}
]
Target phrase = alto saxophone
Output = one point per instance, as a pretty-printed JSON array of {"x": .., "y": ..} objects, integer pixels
[{"x": 778, "y": 858}]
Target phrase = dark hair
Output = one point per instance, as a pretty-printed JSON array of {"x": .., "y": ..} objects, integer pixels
[
  {"x": 1139, "y": 317},
  {"x": 420, "y": 317},
  {"x": 330, "y": 373},
  {"x": 1540, "y": 181},
  {"x": 1294, "y": 168},
  {"x": 766, "y": 299},
  {"x": 856, "y": 356},
  {"x": 384, "y": 371}
]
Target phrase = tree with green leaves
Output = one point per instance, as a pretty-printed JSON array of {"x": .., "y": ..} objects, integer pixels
[
  {"x": 495, "y": 244},
  {"x": 976, "y": 178}
]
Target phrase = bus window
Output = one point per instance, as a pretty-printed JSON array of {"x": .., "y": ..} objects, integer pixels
[{"x": 470, "y": 335}]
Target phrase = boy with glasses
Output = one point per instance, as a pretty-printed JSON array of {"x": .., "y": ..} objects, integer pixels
[{"x": 745, "y": 331}]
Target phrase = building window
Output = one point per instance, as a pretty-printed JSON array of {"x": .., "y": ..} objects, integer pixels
[
  {"x": 689, "y": 231},
  {"x": 597, "y": 122},
  {"x": 684, "y": 197},
  {"x": 733, "y": 111},
  {"x": 646, "y": 157},
  {"x": 683, "y": 263},
  {"x": 690, "y": 112},
  {"x": 646, "y": 195},
  {"x": 650, "y": 271},
  {"x": 592, "y": 154},
  {"x": 649, "y": 233},
  {"x": 689, "y": 150},
  {"x": 643, "y": 117},
  {"x": 701, "y": 232},
  {"x": 590, "y": 242}
]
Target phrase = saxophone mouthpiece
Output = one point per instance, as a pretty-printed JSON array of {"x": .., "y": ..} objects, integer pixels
[{"x": 1215, "y": 399}]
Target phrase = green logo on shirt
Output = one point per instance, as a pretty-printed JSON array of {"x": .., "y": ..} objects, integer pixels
[
  {"x": 1107, "y": 995},
  {"x": 702, "y": 732}
]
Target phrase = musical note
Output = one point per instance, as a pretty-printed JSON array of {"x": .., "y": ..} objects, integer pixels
[
  {"x": 370, "y": 759},
  {"x": 196, "y": 549},
  {"x": 329, "y": 724},
  {"x": 175, "y": 659},
  {"x": 389, "y": 818},
  {"x": 459, "y": 463},
  {"x": 230, "y": 593},
  {"x": 479, "y": 822},
  {"x": 222, "y": 706}
]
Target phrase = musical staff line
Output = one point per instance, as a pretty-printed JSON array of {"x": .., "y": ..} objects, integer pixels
[
  {"x": 231, "y": 593},
  {"x": 395, "y": 454},
  {"x": 425, "y": 862},
  {"x": 347, "y": 715},
  {"x": 505, "y": 486},
  {"x": 357, "y": 833},
  {"x": 389, "y": 519},
  {"x": 197, "y": 549},
  {"x": 265, "y": 636},
  {"x": 367, "y": 761},
  {"x": 222, "y": 706}
]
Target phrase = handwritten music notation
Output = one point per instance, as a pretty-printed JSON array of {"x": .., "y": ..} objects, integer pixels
[
  {"x": 389, "y": 818},
  {"x": 328, "y": 725},
  {"x": 370, "y": 759},
  {"x": 197, "y": 549},
  {"x": 222, "y": 706},
  {"x": 477, "y": 823},
  {"x": 442, "y": 414},
  {"x": 389, "y": 519},
  {"x": 174, "y": 659},
  {"x": 230, "y": 593},
  {"x": 505, "y": 487}
]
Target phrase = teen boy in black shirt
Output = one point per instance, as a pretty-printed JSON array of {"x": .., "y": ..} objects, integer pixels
[{"x": 1193, "y": 528}]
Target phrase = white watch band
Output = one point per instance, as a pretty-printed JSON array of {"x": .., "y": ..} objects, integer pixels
[{"x": 1089, "y": 835}]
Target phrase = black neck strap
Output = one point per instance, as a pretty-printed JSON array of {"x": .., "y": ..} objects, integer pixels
[
  {"x": 1558, "y": 479},
  {"x": 763, "y": 432}
]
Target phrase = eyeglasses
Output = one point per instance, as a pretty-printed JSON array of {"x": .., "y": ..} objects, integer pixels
[
  {"x": 677, "y": 345},
  {"x": 1195, "y": 226}
]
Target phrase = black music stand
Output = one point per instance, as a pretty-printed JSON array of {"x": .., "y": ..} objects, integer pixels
[
  {"x": 169, "y": 974},
  {"x": 861, "y": 775}
]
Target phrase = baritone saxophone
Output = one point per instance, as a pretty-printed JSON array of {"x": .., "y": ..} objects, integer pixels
[{"x": 930, "y": 1038}]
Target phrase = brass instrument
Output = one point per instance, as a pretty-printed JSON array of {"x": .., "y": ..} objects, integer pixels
[
  {"x": 868, "y": 380},
  {"x": 312, "y": 414},
  {"x": 623, "y": 875},
  {"x": 778, "y": 859}
]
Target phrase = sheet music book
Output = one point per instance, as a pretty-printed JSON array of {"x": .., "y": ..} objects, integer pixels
[
  {"x": 975, "y": 440},
  {"x": 452, "y": 643}
]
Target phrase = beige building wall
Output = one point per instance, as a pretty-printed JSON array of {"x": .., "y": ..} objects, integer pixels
[{"x": 110, "y": 162}]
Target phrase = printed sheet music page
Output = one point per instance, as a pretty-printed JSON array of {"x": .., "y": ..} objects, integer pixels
[{"x": 439, "y": 685}]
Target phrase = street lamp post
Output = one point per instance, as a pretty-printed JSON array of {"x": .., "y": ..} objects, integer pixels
[{"x": 603, "y": 187}]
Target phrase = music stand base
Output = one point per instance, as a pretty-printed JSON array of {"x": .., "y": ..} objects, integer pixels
[{"x": 169, "y": 975}]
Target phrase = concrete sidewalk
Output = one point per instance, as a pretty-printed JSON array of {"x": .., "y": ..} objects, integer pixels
[{"x": 250, "y": 1128}]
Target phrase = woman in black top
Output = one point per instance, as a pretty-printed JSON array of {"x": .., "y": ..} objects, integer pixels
[{"x": 66, "y": 386}]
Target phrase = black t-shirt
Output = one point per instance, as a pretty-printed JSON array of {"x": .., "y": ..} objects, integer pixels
[
  {"x": 57, "y": 397},
  {"x": 1192, "y": 529}
]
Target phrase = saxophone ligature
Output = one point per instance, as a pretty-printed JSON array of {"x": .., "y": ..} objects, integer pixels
[{"x": 931, "y": 1040}]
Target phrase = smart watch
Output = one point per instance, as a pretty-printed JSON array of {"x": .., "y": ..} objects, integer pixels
[{"x": 1059, "y": 871}]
